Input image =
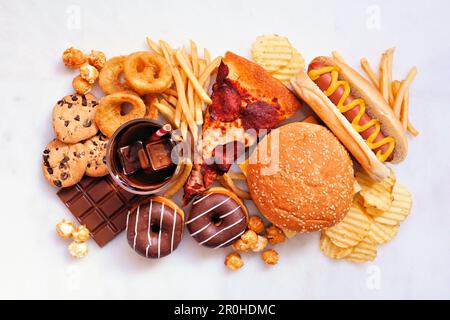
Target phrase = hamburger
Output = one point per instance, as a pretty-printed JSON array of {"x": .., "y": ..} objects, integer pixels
[{"x": 301, "y": 177}]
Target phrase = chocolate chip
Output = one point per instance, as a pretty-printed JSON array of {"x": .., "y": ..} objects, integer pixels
[
  {"x": 94, "y": 104},
  {"x": 94, "y": 143},
  {"x": 46, "y": 151},
  {"x": 62, "y": 166},
  {"x": 74, "y": 98},
  {"x": 84, "y": 101},
  {"x": 65, "y": 159},
  {"x": 87, "y": 123},
  {"x": 89, "y": 165},
  {"x": 47, "y": 164},
  {"x": 64, "y": 176},
  {"x": 60, "y": 102},
  {"x": 104, "y": 160},
  {"x": 45, "y": 157},
  {"x": 69, "y": 105},
  {"x": 57, "y": 183},
  {"x": 66, "y": 123},
  {"x": 77, "y": 117},
  {"x": 50, "y": 170},
  {"x": 91, "y": 152}
]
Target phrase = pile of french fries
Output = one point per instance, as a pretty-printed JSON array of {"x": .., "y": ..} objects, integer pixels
[
  {"x": 395, "y": 92},
  {"x": 184, "y": 103}
]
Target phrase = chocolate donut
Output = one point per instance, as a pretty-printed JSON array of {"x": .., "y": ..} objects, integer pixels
[
  {"x": 155, "y": 227},
  {"x": 217, "y": 218}
]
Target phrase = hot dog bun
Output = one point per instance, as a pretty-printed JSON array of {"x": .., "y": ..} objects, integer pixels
[{"x": 376, "y": 107}]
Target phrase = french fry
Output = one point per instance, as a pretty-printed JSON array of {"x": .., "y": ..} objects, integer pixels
[
  {"x": 369, "y": 72},
  {"x": 154, "y": 46},
  {"x": 171, "y": 92},
  {"x": 196, "y": 84},
  {"x": 213, "y": 65},
  {"x": 166, "y": 111},
  {"x": 390, "y": 57},
  {"x": 152, "y": 111},
  {"x": 187, "y": 168},
  {"x": 404, "y": 111},
  {"x": 402, "y": 90},
  {"x": 196, "y": 70},
  {"x": 412, "y": 130},
  {"x": 207, "y": 56},
  {"x": 181, "y": 92},
  {"x": 383, "y": 78},
  {"x": 170, "y": 99},
  {"x": 338, "y": 56},
  {"x": 395, "y": 86},
  {"x": 238, "y": 191}
]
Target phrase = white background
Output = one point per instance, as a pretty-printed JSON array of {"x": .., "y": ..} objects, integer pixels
[{"x": 34, "y": 263}]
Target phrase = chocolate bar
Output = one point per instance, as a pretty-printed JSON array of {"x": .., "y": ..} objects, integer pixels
[{"x": 101, "y": 205}]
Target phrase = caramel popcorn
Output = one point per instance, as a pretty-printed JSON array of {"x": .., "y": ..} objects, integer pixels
[
  {"x": 275, "y": 235},
  {"x": 261, "y": 244},
  {"x": 73, "y": 58},
  {"x": 81, "y": 234},
  {"x": 248, "y": 241},
  {"x": 233, "y": 261},
  {"x": 65, "y": 228},
  {"x": 81, "y": 86},
  {"x": 78, "y": 249},
  {"x": 97, "y": 59},
  {"x": 256, "y": 224},
  {"x": 270, "y": 257},
  {"x": 88, "y": 73}
]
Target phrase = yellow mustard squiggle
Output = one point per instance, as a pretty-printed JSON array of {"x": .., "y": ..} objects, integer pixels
[{"x": 335, "y": 84}]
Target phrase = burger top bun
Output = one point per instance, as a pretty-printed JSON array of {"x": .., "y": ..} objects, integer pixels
[{"x": 301, "y": 177}]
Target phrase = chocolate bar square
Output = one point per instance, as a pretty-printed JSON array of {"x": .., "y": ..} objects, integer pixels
[{"x": 101, "y": 205}]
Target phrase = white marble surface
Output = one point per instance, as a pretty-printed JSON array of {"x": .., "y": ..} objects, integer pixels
[{"x": 34, "y": 263}]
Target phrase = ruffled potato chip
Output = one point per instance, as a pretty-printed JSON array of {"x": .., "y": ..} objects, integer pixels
[{"x": 272, "y": 52}]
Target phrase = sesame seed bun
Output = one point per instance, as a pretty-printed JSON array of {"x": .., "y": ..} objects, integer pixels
[{"x": 311, "y": 188}]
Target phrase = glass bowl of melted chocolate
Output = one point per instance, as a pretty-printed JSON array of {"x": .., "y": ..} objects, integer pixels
[{"x": 140, "y": 159}]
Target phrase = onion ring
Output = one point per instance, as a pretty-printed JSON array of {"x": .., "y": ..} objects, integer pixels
[
  {"x": 147, "y": 72},
  {"x": 109, "y": 77},
  {"x": 109, "y": 117}
]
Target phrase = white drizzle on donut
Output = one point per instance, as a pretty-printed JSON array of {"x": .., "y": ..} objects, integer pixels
[
  {"x": 231, "y": 212},
  {"x": 173, "y": 229},
  {"x": 207, "y": 211},
  {"x": 160, "y": 230},
  {"x": 128, "y": 219},
  {"x": 222, "y": 230},
  {"x": 149, "y": 227},
  {"x": 135, "y": 227},
  {"x": 230, "y": 240},
  {"x": 200, "y": 230},
  {"x": 201, "y": 199}
]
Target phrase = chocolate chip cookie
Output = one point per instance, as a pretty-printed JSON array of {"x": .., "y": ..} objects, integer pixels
[
  {"x": 64, "y": 165},
  {"x": 96, "y": 154},
  {"x": 73, "y": 118}
]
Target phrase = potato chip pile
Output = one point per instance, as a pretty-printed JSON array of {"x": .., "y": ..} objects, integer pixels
[
  {"x": 373, "y": 219},
  {"x": 276, "y": 54}
]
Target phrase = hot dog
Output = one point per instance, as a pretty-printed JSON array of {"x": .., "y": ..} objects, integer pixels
[
  {"x": 324, "y": 82},
  {"x": 355, "y": 111}
]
